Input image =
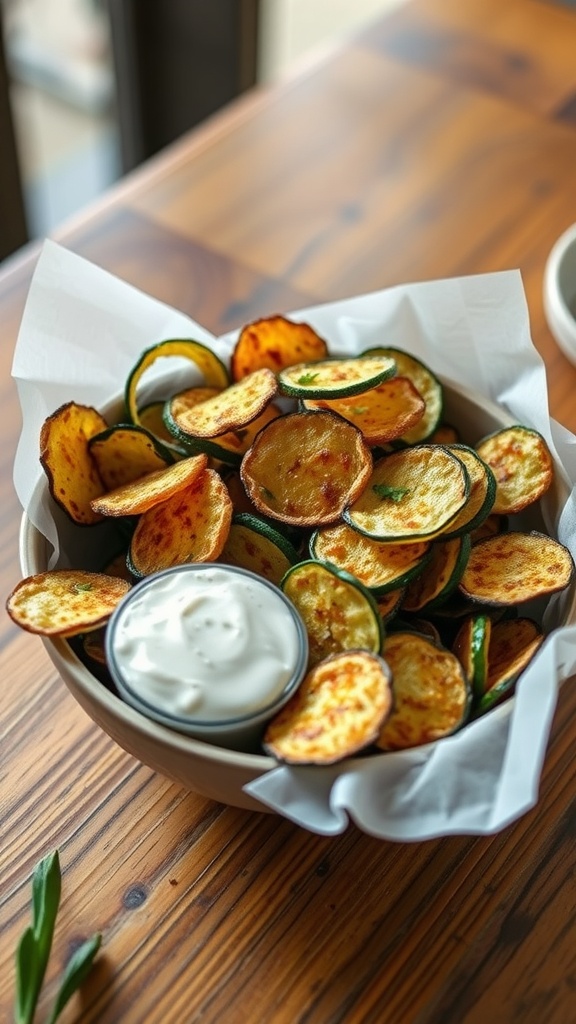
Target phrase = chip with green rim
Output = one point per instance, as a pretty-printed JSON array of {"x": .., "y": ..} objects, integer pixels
[
  {"x": 413, "y": 494},
  {"x": 335, "y": 378}
]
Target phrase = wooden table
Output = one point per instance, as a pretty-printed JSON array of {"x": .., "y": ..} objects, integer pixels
[{"x": 442, "y": 141}]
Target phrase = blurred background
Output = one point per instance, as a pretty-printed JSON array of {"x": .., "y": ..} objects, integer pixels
[{"x": 97, "y": 86}]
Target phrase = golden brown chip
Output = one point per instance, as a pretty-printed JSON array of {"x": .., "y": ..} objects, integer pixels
[
  {"x": 513, "y": 644},
  {"x": 522, "y": 464},
  {"x": 125, "y": 452},
  {"x": 233, "y": 408},
  {"x": 65, "y": 602},
  {"x": 382, "y": 414},
  {"x": 141, "y": 495},
  {"x": 412, "y": 495},
  {"x": 378, "y": 566},
  {"x": 73, "y": 478},
  {"x": 191, "y": 526},
  {"x": 511, "y": 568},
  {"x": 275, "y": 342},
  {"x": 431, "y": 693},
  {"x": 338, "y": 710},
  {"x": 304, "y": 468}
]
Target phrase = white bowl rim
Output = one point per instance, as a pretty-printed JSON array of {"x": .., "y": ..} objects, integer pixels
[{"x": 555, "y": 303}]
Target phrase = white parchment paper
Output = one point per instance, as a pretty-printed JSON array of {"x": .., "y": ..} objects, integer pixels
[{"x": 81, "y": 333}]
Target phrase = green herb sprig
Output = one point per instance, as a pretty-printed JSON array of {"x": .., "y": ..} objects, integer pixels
[
  {"x": 393, "y": 493},
  {"x": 35, "y": 944}
]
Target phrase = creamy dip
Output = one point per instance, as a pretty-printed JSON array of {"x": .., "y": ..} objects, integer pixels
[{"x": 208, "y": 645}]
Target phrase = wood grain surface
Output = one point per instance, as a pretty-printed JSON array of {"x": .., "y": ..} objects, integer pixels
[{"x": 441, "y": 141}]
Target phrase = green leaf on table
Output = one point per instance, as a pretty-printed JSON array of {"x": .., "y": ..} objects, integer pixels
[
  {"x": 46, "y": 887},
  {"x": 28, "y": 978},
  {"x": 77, "y": 969}
]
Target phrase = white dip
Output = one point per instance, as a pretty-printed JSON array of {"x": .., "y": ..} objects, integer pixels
[{"x": 209, "y": 645}]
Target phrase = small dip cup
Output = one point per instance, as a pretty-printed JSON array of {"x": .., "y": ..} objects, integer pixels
[{"x": 240, "y": 732}]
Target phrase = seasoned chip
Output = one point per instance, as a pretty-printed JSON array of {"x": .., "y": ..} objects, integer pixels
[
  {"x": 482, "y": 492},
  {"x": 471, "y": 648},
  {"x": 412, "y": 495},
  {"x": 65, "y": 602},
  {"x": 431, "y": 693},
  {"x": 191, "y": 526},
  {"x": 440, "y": 576},
  {"x": 338, "y": 710},
  {"x": 339, "y": 613},
  {"x": 426, "y": 384},
  {"x": 513, "y": 644},
  {"x": 65, "y": 457},
  {"x": 255, "y": 545},
  {"x": 229, "y": 447},
  {"x": 232, "y": 409},
  {"x": 335, "y": 378},
  {"x": 140, "y": 495},
  {"x": 381, "y": 567},
  {"x": 206, "y": 362},
  {"x": 511, "y": 568},
  {"x": 275, "y": 342},
  {"x": 125, "y": 452},
  {"x": 304, "y": 468},
  {"x": 522, "y": 464},
  {"x": 382, "y": 414}
]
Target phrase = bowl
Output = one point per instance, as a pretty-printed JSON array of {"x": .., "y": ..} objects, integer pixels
[
  {"x": 560, "y": 292},
  {"x": 213, "y": 771}
]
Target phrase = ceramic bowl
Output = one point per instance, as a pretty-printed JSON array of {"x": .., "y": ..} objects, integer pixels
[
  {"x": 216, "y": 771},
  {"x": 560, "y": 292}
]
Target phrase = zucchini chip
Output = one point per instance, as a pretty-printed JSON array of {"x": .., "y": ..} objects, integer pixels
[
  {"x": 191, "y": 526},
  {"x": 231, "y": 409},
  {"x": 228, "y": 447},
  {"x": 339, "y": 613},
  {"x": 522, "y": 464},
  {"x": 152, "y": 419},
  {"x": 73, "y": 477},
  {"x": 471, "y": 648},
  {"x": 254, "y": 544},
  {"x": 275, "y": 342},
  {"x": 125, "y": 452},
  {"x": 492, "y": 525},
  {"x": 305, "y": 467},
  {"x": 134, "y": 498},
  {"x": 426, "y": 384},
  {"x": 440, "y": 576},
  {"x": 482, "y": 492},
  {"x": 513, "y": 644},
  {"x": 382, "y": 414},
  {"x": 431, "y": 692},
  {"x": 338, "y": 709},
  {"x": 389, "y": 604},
  {"x": 445, "y": 433},
  {"x": 335, "y": 378},
  {"x": 65, "y": 602},
  {"x": 413, "y": 495},
  {"x": 511, "y": 568},
  {"x": 210, "y": 367},
  {"x": 380, "y": 567}
]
